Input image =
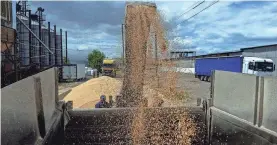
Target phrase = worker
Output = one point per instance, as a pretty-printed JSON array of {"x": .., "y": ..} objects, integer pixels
[{"x": 102, "y": 103}]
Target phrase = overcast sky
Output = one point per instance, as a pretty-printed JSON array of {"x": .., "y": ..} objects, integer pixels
[{"x": 224, "y": 26}]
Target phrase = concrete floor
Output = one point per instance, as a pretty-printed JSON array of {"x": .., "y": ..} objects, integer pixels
[{"x": 193, "y": 86}]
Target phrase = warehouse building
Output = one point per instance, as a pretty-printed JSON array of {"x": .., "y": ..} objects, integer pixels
[
  {"x": 267, "y": 51},
  {"x": 221, "y": 54},
  {"x": 181, "y": 54}
]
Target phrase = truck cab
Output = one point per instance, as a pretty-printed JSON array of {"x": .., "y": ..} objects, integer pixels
[
  {"x": 109, "y": 67},
  {"x": 258, "y": 66}
]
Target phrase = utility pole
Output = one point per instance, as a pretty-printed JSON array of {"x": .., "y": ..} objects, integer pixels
[
  {"x": 49, "y": 44},
  {"x": 66, "y": 59},
  {"x": 55, "y": 43},
  {"x": 39, "y": 35},
  {"x": 61, "y": 33},
  {"x": 30, "y": 38},
  {"x": 123, "y": 44}
]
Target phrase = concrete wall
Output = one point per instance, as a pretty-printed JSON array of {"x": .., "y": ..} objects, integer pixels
[
  {"x": 244, "y": 106},
  {"x": 49, "y": 93},
  {"x": 18, "y": 112},
  {"x": 269, "y": 103},
  {"x": 185, "y": 63},
  {"x": 264, "y": 52},
  {"x": 231, "y": 92},
  {"x": 22, "y": 109}
]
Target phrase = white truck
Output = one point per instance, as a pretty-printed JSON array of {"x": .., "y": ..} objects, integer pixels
[{"x": 248, "y": 65}]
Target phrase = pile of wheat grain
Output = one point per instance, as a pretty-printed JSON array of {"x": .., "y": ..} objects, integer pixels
[{"x": 88, "y": 94}]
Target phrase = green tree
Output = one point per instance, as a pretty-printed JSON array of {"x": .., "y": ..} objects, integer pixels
[
  {"x": 66, "y": 61},
  {"x": 95, "y": 59}
]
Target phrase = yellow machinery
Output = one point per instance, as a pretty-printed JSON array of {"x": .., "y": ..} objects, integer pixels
[{"x": 109, "y": 67}]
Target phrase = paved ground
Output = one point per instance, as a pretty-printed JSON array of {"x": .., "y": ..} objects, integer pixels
[
  {"x": 66, "y": 86},
  {"x": 195, "y": 87}
]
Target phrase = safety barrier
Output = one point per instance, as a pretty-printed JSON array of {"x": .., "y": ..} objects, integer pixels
[
  {"x": 243, "y": 106},
  {"x": 28, "y": 107}
]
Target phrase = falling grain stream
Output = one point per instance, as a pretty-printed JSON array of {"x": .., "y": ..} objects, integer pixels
[{"x": 145, "y": 49}]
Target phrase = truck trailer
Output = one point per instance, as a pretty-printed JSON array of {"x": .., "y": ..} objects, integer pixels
[
  {"x": 73, "y": 72},
  {"x": 240, "y": 64}
]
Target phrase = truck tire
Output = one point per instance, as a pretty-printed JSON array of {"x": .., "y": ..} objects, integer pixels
[
  {"x": 208, "y": 79},
  {"x": 202, "y": 78},
  {"x": 199, "y": 77}
]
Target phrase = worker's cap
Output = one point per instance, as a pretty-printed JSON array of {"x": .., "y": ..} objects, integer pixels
[{"x": 103, "y": 97}]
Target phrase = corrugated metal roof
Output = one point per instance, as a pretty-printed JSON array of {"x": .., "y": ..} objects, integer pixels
[
  {"x": 258, "y": 47},
  {"x": 218, "y": 53},
  {"x": 181, "y": 50}
]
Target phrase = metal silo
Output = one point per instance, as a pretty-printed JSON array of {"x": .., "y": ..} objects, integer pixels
[
  {"x": 35, "y": 43},
  {"x": 23, "y": 38},
  {"x": 52, "y": 47},
  {"x": 45, "y": 52},
  {"x": 58, "y": 50}
]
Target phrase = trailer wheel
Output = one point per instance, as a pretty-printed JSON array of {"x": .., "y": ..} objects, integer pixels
[
  {"x": 208, "y": 79},
  {"x": 199, "y": 77},
  {"x": 202, "y": 78}
]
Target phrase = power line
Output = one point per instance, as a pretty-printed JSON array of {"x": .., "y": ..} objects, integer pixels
[
  {"x": 193, "y": 7},
  {"x": 200, "y": 11}
]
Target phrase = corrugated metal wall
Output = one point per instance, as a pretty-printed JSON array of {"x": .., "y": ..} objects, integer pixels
[{"x": 263, "y": 52}]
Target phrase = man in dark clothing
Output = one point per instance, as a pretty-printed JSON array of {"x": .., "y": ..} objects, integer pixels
[{"x": 102, "y": 103}]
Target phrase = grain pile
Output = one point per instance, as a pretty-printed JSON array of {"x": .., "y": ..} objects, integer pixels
[
  {"x": 87, "y": 94},
  {"x": 162, "y": 126}
]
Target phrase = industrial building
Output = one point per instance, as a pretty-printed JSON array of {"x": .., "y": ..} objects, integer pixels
[
  {"x": 181, "y": 54},
  {"x": 266, "y": 51},
  {"x": 9, "y": 59},
  {"x": 220, "y": 54},
  {"x": 33, "y": 46}
]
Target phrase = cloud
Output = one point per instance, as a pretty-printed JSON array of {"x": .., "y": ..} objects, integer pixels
[
  {"x": 224, "y": 26},
  {"x": 227, "y": 25},
  {"x": 90, "y": 25}
]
